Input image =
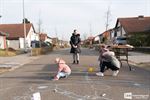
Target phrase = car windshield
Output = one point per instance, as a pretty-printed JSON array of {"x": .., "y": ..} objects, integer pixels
[{"x": 121, "y": 38}]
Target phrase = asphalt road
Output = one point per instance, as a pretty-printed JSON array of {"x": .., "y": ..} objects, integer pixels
[{"x": 34, "y": 79}]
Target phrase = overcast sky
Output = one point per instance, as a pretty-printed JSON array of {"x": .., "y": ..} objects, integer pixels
[{"x": 63, "y": 16}]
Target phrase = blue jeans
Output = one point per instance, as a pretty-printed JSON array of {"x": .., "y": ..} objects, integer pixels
[{"x": 62, "y": 74}]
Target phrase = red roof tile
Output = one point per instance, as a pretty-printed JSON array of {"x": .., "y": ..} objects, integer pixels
[
  {"x": 135, "y": 24},
  {"x": 15, "y": 30},
  {"x": 42, "y": 36}
]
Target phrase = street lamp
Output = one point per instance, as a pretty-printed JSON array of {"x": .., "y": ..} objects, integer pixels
[{"x": 24, "y": 28}]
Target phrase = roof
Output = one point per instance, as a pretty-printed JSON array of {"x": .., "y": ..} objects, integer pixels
[
  {"x": 135, "y": 24},
  {"x": 15, "y": 30},
  {"x": 42, "y": 36}
]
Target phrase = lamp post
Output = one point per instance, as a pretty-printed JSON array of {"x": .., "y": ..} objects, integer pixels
[{"x": 24, "y": 28}]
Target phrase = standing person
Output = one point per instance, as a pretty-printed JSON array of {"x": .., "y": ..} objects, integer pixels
[
  {"x": 109, "y": 61},
  {"x": 75, "y": 46}
]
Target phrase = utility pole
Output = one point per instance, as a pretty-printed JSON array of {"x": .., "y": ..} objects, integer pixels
[
  {"x": 24, "y": 28},
  {"x": 39, "y": 26},
  {"x": 90, "y": 29},
  {"x": 108, "y": 18},
  {"x": 0, "y": 10},
  {"x": 0, "y": 18}
]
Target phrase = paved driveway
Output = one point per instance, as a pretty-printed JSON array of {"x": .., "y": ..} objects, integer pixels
[{"x": 35, "y": 78}]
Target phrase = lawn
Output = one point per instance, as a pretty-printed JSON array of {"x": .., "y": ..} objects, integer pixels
[{"x": 4, "y": 53}]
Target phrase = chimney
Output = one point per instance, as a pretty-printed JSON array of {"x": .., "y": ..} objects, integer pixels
[{"x": 141, "y": 17}]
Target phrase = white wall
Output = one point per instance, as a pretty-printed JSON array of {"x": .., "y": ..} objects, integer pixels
[
  {"x": 2, "y": 42},
  {"x": 13, "y": 44},
  {"x": 21, "y": 43},
  {"x": 121, "y": 31},
  {"x": 31, "y": 37}
]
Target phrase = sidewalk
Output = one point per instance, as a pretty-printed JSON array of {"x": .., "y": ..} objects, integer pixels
[
  {"x": 139, "y": 59},
  {"x": 10, "y": 63}
]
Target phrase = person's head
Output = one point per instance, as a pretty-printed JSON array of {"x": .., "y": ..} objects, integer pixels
[
  {"x": 57, "y": 60},
  {"x": 104, "y": 47},
  {"x": 74, "y": 32},
  {"x": 78, "y": 34},
  {"x": 109, "y": 48}
]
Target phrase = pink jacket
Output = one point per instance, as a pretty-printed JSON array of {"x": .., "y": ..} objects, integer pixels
[{"x": 63, "y": 67}]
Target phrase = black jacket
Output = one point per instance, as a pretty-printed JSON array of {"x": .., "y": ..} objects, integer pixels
[{"x": 75, "y": 40}]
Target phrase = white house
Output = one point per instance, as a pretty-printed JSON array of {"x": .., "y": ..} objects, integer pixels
[
  {"x": 16, "y": 36},
  {"x": 2, "y": 40},
  {"x": 131, "y": 25}
]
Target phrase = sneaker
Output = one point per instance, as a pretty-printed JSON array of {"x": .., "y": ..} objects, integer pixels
[
  {"x": 115, "y": 73},
  {"x": 55, "y": 79},
  {"x": 77, "y": 61},
  {"x": 73, "y": 62},
  {"x": 99, "y": 74}
]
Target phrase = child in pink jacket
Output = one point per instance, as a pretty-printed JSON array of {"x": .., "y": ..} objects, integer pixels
[{"x": 63, "y": 69}]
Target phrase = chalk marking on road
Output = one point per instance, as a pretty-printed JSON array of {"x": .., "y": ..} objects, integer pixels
[
  {"x": 95, "y": 91},
  {"x": 137, "y": 84},
  {"x": 42, "y": 87},
  {"x": 36, "y": 96},
  {"x": 74, "y": 95}
]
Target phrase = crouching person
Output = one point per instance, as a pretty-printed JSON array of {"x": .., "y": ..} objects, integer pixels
[
  {"x": 109, "y": 61},
  {"x": 63, "y": 69}
]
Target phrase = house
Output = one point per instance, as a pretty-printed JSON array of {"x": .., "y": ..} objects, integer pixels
[
  {"x": 63, "y": 43},
  {"x": 89, "y": 41},
  {"x": 106, "y": 36},
  {"x": 42, "y": 37},
  {"x": 131, "y": 25},
  {"x": 16, "y": 36},
  {"x": 2, "y": 40},
  {"x": 45, "y": 38},
  {"x": 55, "y": 41}
]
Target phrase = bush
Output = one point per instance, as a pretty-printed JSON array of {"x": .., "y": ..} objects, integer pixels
[{"x": 140, "y": 39}]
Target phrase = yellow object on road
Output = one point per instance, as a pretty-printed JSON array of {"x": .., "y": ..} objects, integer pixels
[{"x": 90, "y": 69}]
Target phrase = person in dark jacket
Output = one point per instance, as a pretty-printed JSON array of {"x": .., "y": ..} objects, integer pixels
[{"x": 75, "y": 46}]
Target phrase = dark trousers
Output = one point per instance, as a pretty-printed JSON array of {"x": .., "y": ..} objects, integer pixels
[{"x": 108, "y": 65}]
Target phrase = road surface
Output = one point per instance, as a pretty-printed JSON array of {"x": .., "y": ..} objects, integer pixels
[{"x": 34, "y": 79}]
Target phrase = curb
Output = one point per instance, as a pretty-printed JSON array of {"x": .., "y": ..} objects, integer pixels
[{"x": 140, "y": 65}]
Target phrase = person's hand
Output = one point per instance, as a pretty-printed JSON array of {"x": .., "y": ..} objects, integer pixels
[{"x": 74, "y": 46}]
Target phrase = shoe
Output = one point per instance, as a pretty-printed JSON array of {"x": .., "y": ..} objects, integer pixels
[
  {"x": 115, "y": 73},
  {"x": 77, "y": 61},
  {"x": 99, "y": 74},
  {"x": 63, "y": 77},
  {"x": 74, "y": 62},
  {"x": 55, "y": 79}
]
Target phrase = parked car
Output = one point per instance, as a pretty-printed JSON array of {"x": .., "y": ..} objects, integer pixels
[{"x": 120, "y": 40}]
